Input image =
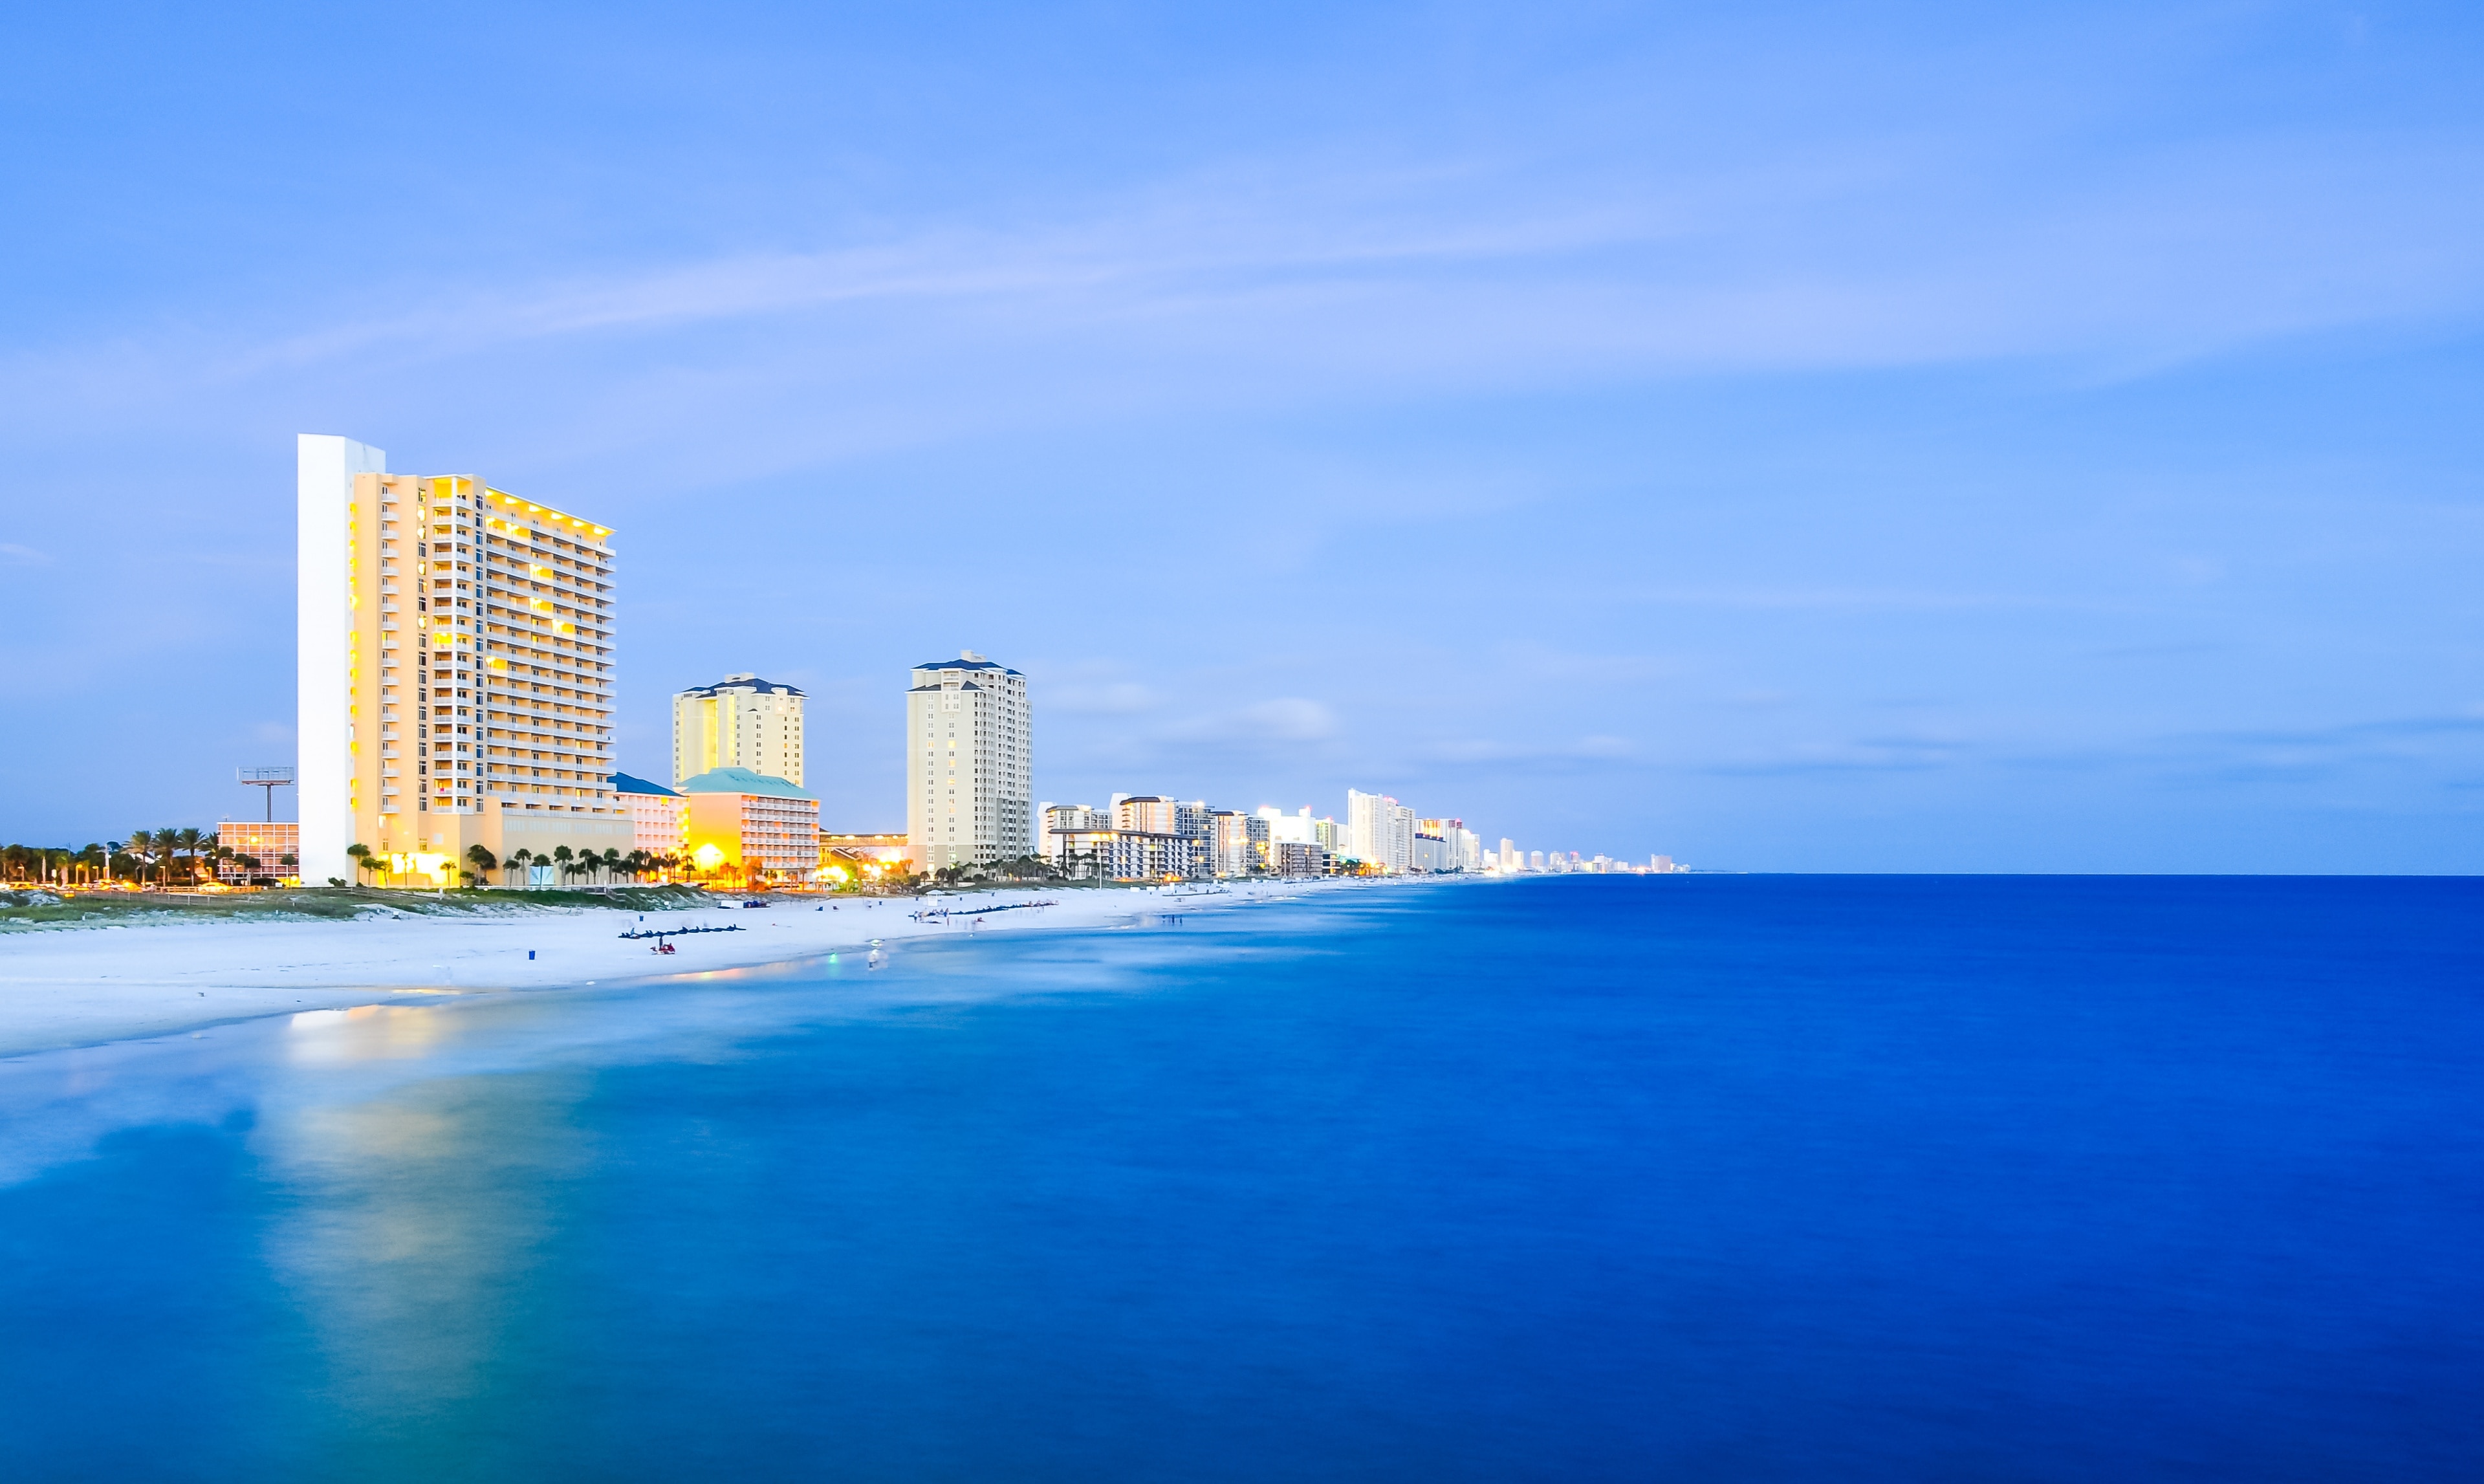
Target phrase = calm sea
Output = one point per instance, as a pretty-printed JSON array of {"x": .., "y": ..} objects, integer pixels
[{"x": 1697, "y": 1179}]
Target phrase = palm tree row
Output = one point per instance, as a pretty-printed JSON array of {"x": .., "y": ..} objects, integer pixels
[
  {"x": 566, "y": 863},
  {"x": 165, "y": 857}
]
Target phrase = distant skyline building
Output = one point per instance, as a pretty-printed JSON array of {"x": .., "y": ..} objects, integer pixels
[
  {"x": 455, "y": 651},
  {"x": 741, "y": 721},
  {"x": 1381, "y": 831},
  {"x": 1458, "y": 848},
  {"x": 1241, "y": 841},
  {"x": 969, "y": 764},
  {"x": 1119, "y": 843}
]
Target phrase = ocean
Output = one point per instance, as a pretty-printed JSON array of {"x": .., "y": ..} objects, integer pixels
[{"x": 1689, "y": 1177}]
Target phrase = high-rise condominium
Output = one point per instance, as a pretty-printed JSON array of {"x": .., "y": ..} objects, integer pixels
[
  {"x": 455, "y": 685},
  {"x": 969, "y": 769},
  {"x": 741, "y": 721},
  {"x": 1381, "y": 831}
]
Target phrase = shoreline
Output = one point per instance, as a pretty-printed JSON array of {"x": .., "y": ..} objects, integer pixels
[{"x": 64, "y": 990}]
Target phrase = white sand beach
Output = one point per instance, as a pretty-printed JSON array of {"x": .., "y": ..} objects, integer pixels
[{"x": 90, "y": 986}]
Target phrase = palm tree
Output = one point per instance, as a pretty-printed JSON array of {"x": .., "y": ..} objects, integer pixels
[
  {"x": 611, "y": 862},
  {"x": 519, "y": 859},
  {"x": 190, "y": 842},
  {"x": 562, "y": 856},
  {"x": 140, "y": 846},
  {"x": 362, "y": 854},
  {"x": 484, "y": 863}
]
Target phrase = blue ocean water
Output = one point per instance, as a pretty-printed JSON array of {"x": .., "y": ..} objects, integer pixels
[{"x": 1703, "y": 1178}]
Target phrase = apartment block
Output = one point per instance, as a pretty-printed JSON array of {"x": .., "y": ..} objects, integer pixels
[
  {"x": 1381, "y": 831},
  {"x": 1298, "y": 859},
  {"x": 456, "y": 650},
  {"x": 1240, "y": 842},
  {"x": 969, "y": 768},
  {"x": 741, "y": 721}
]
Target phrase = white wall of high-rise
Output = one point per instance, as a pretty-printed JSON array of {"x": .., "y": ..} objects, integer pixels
[{"x": 324, "y": 616}]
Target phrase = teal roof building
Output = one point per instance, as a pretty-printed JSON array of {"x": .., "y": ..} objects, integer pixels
[{"x": 741, "y": 780}]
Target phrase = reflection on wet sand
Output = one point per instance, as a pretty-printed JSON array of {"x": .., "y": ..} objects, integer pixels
[{"x": 366, "y": 1033}]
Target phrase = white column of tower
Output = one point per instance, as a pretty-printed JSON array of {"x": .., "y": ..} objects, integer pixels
[{"x": 324, "y": 471}]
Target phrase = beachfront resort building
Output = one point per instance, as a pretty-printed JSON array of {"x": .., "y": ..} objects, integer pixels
[
  {"x": 969, "y": 769},
  {"x": 658, "y": 817},
  {"x": 1450, "y": 846},
  {"x": 455, "y": 653},
  {"x": 273, "y": 844},
  {"x": 741, "y": 721},
  {"x": 750, "y": 825},
  {"x": 1241, "y": 841},
  {"x": 1381, "y": 831},
  {"x": 1124, "y": 842}
]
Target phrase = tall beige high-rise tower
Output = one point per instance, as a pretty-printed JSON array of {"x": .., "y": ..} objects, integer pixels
[
  {"x": 969, "y": 764},
  {"x": 456, "y": 671},
  {"x": 741, "y": 721}
]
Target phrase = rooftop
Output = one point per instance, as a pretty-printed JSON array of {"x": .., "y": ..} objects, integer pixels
[
  {"x": 624, "y": 783},
  {"x": 741, "y": 683},
  {"x": 741, "y": 780},
  {"x": 967, "y": 660}
]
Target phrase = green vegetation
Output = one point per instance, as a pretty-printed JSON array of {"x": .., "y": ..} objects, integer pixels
[
  {"x": 37, "y": 909},
  {"x": 154, "y": 857}
]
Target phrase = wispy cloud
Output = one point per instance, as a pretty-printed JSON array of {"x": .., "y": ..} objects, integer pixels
[
  {"x": 1476, "y": 751},
  {"x": 1479, "y": 272},
  {"x": 12, "y": 554}
]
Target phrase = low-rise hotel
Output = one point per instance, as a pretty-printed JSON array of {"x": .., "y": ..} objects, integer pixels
[
  {"x": 658, "y": 817},
  {"x": 752, "y": 825}
]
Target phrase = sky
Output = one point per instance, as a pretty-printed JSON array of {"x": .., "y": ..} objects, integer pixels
[{"x": 1787, "y": 438}]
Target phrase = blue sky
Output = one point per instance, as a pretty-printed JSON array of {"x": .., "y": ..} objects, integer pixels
[{"x": 1789, "y": 438}]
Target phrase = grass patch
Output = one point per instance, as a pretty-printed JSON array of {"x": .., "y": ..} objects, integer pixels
[{"x": 27, "y": 909}]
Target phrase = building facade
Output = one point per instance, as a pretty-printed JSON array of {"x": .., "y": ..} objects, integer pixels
[
  {"x": 456, "y": 648},
  {"x": 1128, "y": 855},
  {"x": 658, "y": 817},
  {"x": 1240, "y": 842},
  {"x": 1380, "y": 832},
  {"x": 969, "y": 764},
  {"x": 272, "y": 846},
  {"x": 1298, "y": 859},
  {"x": 860, "y": 857},
  {"x": 746, "y": 823},
  {"x": 741, "y": 721}
]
